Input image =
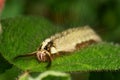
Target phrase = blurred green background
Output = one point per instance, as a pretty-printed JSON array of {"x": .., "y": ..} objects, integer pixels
[{"x": 101, "y": 15}]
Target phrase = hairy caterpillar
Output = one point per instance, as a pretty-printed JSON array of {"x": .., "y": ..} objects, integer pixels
[{"x": 65, "y": 42}]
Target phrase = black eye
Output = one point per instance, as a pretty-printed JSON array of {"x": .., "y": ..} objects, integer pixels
[{"x": 48, "y": 46}]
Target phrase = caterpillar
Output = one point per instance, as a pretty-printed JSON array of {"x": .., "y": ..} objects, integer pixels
[{"x": 65, "y": 42}]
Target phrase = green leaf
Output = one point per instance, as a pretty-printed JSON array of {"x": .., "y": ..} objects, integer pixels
[
  {"x": 48, "y": 75},
  {"x": 23, "y": 35}
]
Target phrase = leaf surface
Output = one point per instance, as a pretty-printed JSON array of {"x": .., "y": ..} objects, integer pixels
[{"x": 24, "y": 35}]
